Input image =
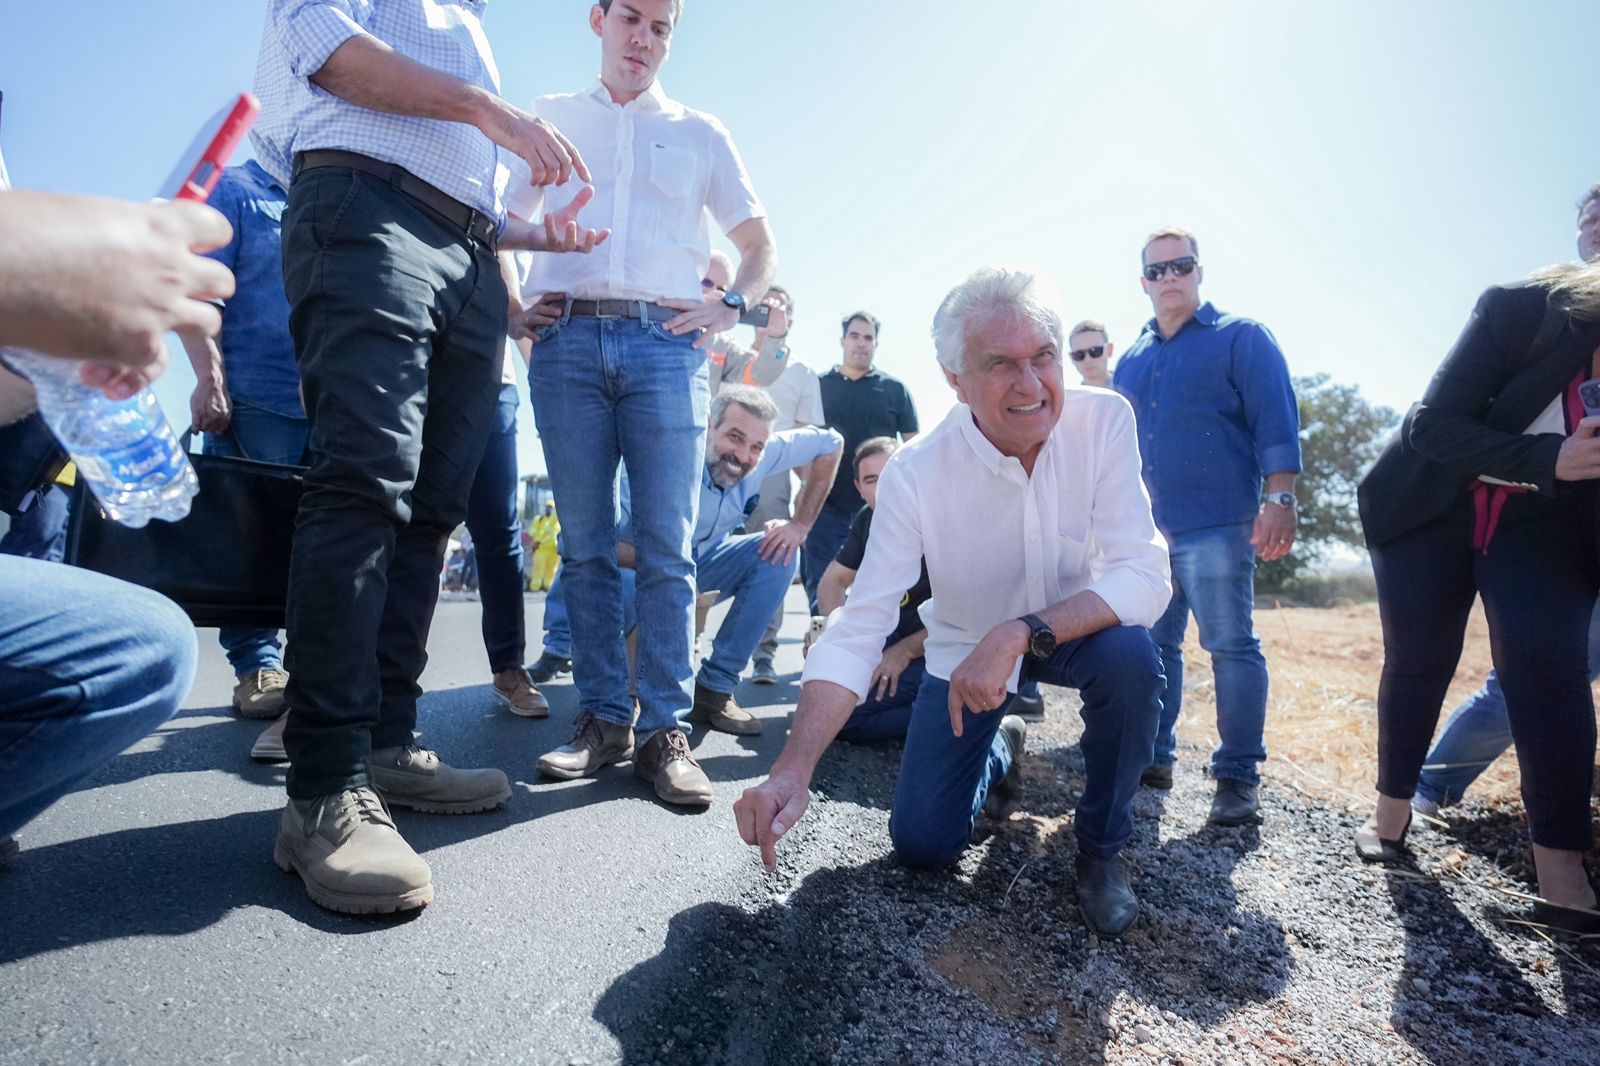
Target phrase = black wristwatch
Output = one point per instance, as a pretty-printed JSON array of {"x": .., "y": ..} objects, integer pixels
[
  {"x": 735, "y": 300},
  {"x": 1041, "y": 638}
]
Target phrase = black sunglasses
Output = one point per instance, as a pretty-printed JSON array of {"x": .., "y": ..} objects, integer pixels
[
  {"x": 1181, "y": 268},
  {"x": 1089, "y": 353}
]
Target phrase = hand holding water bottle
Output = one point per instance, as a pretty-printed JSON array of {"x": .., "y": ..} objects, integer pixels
[{"x": 81, "y": 276}]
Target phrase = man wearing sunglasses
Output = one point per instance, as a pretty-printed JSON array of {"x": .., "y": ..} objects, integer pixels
[
  {"x": 1091, "y": 353},
  {"x": 1217, "y": 417}
]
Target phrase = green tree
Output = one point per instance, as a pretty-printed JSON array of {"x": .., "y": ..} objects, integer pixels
[{"x": 1340, "y": 436}]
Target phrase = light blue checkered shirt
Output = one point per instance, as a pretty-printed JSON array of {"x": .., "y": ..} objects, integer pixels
[{"x": 297, "y": 116}]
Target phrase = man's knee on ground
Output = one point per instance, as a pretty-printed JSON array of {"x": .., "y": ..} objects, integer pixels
[{"x": 924, "y": 844}]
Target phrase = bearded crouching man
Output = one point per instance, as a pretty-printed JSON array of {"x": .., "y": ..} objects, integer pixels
[{"x": 1049, "y": 569}]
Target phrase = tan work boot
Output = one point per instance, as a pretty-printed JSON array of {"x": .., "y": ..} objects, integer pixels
[
  {"x": 260, "y": 695},
  {"x": 516, "y": 691},
  {"x": 269, "y": 745},
  {"x": 350, "y": 856},
  {"x": 666, "y": 762},
  {"x": 594, "y": 744},
  {"x": 719, "y": 711},
  {"x": 414, "y": 777}
]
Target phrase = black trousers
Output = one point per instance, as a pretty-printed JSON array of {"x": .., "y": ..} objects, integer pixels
[
  {"x": 399, "y": 320},
  {"x": 1538, "y": 580}
]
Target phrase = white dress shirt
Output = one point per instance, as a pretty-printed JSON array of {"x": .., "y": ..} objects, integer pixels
[
  {"x": 297, "y": 116},
  {"x": 658, "y": 169},
  {"x": 1000, "y": 544}
]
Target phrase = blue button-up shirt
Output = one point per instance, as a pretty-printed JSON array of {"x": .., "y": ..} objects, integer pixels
[
  {"x": 1216, "y": 413},
  {"x": 297, "y": 116},
  {"x": 723, "y": 510},
  {"x": 257, "y": 350}
]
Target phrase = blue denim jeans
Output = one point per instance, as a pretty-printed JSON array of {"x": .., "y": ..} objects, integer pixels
[
  {"x": 267, "y": 438},
  {"x": 827, "y": 536},
  {"x": 557, "y": 628},
  {"x": 1478, "y": 732},
  {"x": 944, "y": 779},
  {"x": 618, "y": 390},
  {"x": 734, "y": 567},
  {"x": 890, "y": 717},
  {"x": 1213, "y": 575},
  {"x": 497, "y": 539},
  {"x": 40, "y": 532},
  {"x": 88, "y": 665}
]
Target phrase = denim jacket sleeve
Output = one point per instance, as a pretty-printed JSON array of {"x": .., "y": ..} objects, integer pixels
[{"x": 1262, "y": 378}]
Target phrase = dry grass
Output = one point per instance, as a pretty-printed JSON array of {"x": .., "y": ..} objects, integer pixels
[{"x": 1322, "y": 726}]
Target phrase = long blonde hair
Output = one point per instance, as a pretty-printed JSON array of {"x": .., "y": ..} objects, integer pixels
[{"x": 1578, "y": 285}]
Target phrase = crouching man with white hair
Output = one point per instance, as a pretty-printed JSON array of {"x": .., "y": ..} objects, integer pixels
[{"x": 1045, "y": 563}]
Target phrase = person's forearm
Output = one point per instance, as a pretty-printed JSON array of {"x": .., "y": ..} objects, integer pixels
[
  {"x": 822, "y": 711},
  {"x": 816, "y": 483},
  {"x": 758, "y": 260},
  {"x": 204, "y": 355},
  {"x": 368, "y": 73},
  {"x": 1281, "y": 481},
  {"x": 916, "y": 645},
  {"x": 834, "y": 584},
  {"x": 1076, "y": 616}
]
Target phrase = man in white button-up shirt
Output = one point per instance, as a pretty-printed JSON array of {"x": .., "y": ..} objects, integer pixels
[
  {"x": 1045, "y": 564},
  {"x": 621, "y": 377}
]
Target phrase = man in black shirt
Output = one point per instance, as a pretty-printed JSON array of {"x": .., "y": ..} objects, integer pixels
[
  {"x": 860, "y": 402},
  {"x": 887, "y": 711}
]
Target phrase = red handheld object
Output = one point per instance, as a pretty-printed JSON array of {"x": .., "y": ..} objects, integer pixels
[{"x": 201, "y": 164}]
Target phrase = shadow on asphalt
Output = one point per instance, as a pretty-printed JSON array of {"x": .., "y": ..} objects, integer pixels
[{"x": 1434, "y": 925}]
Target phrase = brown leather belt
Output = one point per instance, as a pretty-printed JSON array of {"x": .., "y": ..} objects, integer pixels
[
  {"x": 479, "y": 226},
  {"x": 639, "y": 309}
]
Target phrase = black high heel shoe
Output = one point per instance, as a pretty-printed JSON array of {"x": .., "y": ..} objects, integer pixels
[{"x": 1374, "y": 848}]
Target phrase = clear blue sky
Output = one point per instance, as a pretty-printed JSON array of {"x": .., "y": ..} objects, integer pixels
[{"x": 1356, "y": 172}]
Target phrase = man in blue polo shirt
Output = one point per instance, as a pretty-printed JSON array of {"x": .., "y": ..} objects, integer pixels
[{"x": 1217, "y": 415}]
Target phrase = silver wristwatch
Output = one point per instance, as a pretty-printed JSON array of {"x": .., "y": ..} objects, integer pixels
[{"x": 1282, "y": 499}]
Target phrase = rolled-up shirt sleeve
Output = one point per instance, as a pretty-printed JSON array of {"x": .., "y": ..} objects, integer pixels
[
  {"x": 1271, "y": 409},
  {"x": 313, "y": 29},
  {"x": 1131, "y": 568},
  {"x": 852, "y": 646}
]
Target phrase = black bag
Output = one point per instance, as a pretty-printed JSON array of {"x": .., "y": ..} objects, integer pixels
[
  {"x": 30, "y": 459},
  {"x": 225, "y": 564}
]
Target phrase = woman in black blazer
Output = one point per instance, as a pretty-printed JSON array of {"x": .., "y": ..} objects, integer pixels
[{"x": 1490, "y": 488}]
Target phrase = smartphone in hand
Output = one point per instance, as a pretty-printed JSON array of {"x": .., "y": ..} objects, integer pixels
[
  {"x": 1589, "y": 396},
  {"x": 756, "y": 316}
]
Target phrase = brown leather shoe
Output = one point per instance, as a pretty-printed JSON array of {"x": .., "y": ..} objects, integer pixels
[
  {"x": 594, "y": 744},
  {"x": 515, "y": 689},
  {"x": 269, "y": 745},
  {"x": 260, "y": 694},
  {"x": 666, "y": 762},
  {"x": 719, "y": 711}
]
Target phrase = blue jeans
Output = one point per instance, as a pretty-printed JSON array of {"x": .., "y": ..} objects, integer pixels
[
  {"x": 827, "y": 536},
  {"x": 618, "y": 390},
  {"x": 40, "y": 532},
  {"x": 497, "y": 539},
  {"x": 1213, "y": 575},
  {"x": 1478, "y": 732},
  {"x": 887, "y": 718},
  {"x": 267, "y": 438},
  {"x": 88, "y": 665},
  {"x": 734, "y": 567},
  {"x": 944, "y": 779},
  {"x": 557, "y": 628}
]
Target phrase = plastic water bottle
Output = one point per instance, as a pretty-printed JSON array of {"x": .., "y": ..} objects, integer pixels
[{"x": 125, "y": 449}]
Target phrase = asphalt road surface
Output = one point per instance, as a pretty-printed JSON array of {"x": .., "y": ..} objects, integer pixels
[{"x": 144, "y": 920}]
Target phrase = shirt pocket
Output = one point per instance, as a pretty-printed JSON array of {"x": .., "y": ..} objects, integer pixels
[
  {"x": 1072, "y": 553},
  {"x": 672, "y": 170}
]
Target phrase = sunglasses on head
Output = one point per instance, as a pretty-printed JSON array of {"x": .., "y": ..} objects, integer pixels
[
  {"x": 1088, "y": 353},
  {"x": 1181, "y": 268}
]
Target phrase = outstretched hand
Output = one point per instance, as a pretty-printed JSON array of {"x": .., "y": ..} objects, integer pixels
[{"x": 768, "y": 811}]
